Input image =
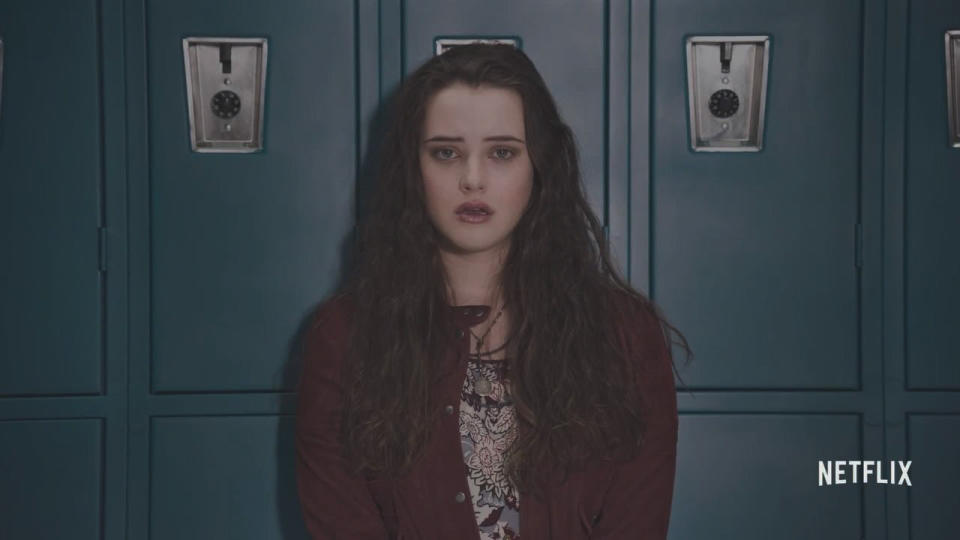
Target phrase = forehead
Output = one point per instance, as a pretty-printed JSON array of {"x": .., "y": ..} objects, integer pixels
[{"x": 459, "y": 110}]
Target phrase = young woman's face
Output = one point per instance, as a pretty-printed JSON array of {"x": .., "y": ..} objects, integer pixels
[{"x": 474, "y": 149}]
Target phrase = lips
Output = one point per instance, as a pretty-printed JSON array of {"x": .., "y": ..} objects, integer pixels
[{"x": 474, "y": 207}]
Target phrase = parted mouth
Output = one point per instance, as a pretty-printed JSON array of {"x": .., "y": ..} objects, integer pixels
[{"x": 474, "y": 207}]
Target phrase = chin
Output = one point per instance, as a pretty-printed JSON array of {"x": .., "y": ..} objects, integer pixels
[{"x": 471, "y": 245}]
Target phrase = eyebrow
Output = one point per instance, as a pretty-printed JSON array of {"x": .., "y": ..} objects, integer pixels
[{"x": 446, "y": 138}]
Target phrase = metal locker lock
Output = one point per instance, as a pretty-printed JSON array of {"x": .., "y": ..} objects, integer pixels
[
  {"x": 225, "y": 104},
  {"x": 726, "y": 89},
  {"x": 226, "y": 80},
  {"x": 952, "y": 38},
  {"x": 724, "y": 103},
  {"x": 444, "y": 44}
]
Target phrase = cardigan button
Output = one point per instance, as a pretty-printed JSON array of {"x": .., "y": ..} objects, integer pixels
[
  {"x": 448, "y": 409},
  {"x": 459, "y": 332},
  {"x": 460, "y": 497}
]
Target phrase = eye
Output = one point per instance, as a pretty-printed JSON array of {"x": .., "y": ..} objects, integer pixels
[
  {"x": 508, "y": 155},
  {"x": 439, "y": 154}
]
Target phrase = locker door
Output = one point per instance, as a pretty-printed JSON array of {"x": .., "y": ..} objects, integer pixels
[
  {"x": 757, "y": 256},
  {"x": 923, "y": 285},
  {"x": 230, "y": 254},
  {"x": 60, "y": 417}
]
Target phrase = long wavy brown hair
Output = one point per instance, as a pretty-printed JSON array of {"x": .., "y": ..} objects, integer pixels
[{"x": 567, "y": 372}]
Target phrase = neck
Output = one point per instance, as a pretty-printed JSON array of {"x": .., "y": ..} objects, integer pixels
[{"x": 473, "y": 278}]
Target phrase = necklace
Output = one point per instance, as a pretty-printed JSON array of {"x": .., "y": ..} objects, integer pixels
[
  {"x": 484, "y": 336},
  {"x": 482, "y": 385}
]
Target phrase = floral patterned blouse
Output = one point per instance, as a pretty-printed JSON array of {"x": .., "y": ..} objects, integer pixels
[{"x": 487, "y": 428}]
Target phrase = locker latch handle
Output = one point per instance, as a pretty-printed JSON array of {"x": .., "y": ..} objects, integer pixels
[
  {"x": 225, "y": 57},
  {"x": 726, "y": 54}
]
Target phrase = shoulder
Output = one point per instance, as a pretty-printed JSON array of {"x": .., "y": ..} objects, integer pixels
[
  {"x": 649, "y": 364},
  {"x": 323, "y": 348},
  {"x": 325, "y": 338},
  {"x": 332, "y": 318},
  {"x": 635, "y": 314},
  {"x": 641, "y": 330}
]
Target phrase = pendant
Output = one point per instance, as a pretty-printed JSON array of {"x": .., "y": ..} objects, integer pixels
[{"x": 482, "y": 386}]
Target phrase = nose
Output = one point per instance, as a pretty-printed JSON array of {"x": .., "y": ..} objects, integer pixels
[{"x": 472, "y": 178}]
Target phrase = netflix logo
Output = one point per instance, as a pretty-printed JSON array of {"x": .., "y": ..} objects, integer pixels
[{"x": 860, "y": 472}]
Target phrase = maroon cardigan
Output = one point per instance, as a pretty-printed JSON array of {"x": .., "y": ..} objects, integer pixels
[{"x": 604, "y": 501}]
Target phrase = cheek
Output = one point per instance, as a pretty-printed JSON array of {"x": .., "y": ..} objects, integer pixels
[
  {"x": 436, "y": 190},
  {"x": 430, "y": 180},
  {"x": 523, "y": 189}
]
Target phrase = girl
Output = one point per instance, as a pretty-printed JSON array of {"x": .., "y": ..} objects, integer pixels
[{"x": 485, "y": 372}]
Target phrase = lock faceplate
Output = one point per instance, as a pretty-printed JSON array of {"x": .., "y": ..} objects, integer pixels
[
  {"x": 226, "y": 79},
  {"x": 952, "y": 39},
  {"x": 727, "y": 88}
]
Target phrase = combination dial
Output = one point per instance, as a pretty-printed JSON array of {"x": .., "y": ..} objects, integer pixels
[
  {"x": 724, "y": 103},
  {"x": 225, "y": 104}
]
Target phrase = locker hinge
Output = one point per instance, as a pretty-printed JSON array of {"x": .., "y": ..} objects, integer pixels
[
  {"x": 102, "y": 248},
  {"x": 858, "y": 248}
]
